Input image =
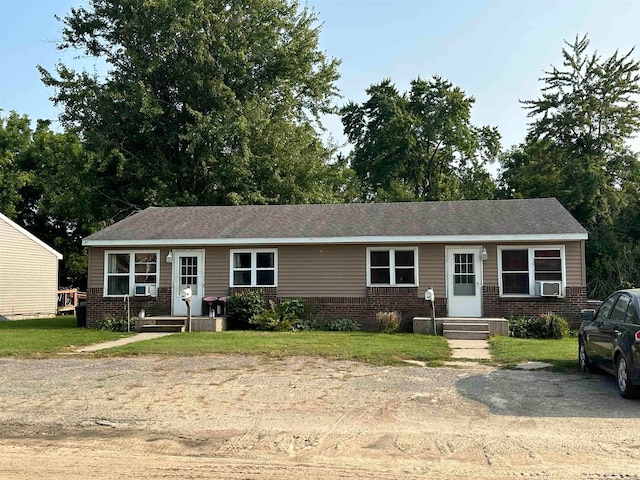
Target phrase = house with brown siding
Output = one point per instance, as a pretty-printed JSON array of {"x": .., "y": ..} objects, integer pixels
[
  {"x": 482, "y": 258},
  {"x": 28, "y": 274}
]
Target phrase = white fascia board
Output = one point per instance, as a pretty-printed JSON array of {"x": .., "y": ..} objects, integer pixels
[
  {"x": 337, "y": 240},
  {"x": 30, "y": 236}
]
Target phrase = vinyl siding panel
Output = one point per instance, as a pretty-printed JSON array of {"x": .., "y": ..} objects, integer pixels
[
  {"x": 432, "y": 268},
  {"x": 573, "y": 255},
  {"x": 28, "y": 276},
  {"x": 216, "y": 273},
  {"x": 335, "y": 270},
  {"x": 322, "y": 271}
]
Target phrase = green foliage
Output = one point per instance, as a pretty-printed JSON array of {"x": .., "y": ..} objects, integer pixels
[
  {"x": 242, "y": 306},
  {"x": 341, "y": 325},
  {"x": 544, "y": 326},
  {"x": 15, "y": 138},
  {"x": 305, "y": 324},
  {"x": 577, "y": 150},
  {"x": 367, "y": 347},
  {"x": 44, "y": 190},
  {"x": 509, "y": 351},
  {"x": 116, "y": 323},
  {"x": 204, "y": 103},
  {"x": 48, "y": 336},
  {"x": 283, "y": 316},
  {"x": 419, "y": 145},
  {"x": 388, "y": 322}
]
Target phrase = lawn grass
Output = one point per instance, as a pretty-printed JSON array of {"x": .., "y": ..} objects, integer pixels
[
  {"x": 373, "y": 348},
  {"x": 562, "y": 354},
  {"x": 48, "y": 336}
]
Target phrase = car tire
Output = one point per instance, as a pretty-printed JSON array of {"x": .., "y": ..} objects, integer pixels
[
  {"x": 583, "y": 359},
  {"x": 625, "y": 387}
]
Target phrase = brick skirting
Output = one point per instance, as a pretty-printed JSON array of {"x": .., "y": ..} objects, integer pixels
[
  {"x": 568, "y": 307},
  {"x": 364, "y": 309},
  {"x": 98, "y": 306},
  {"x": 378, "y": 299}
]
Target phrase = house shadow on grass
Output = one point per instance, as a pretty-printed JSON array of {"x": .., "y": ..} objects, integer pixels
[{"x": 548, "y": 394}]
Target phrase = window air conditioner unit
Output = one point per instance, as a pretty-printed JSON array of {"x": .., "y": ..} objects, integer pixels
[
  {"x": 548, "y": 289},
  {"x": 145, "y": 291}
]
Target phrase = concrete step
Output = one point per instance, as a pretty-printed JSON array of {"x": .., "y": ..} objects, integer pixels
[
  {"x": 468, "y": 327},
  {"x": 163, "y": 328},
  {"x": 169, "y": 321},
  {"x": 465, "y": 335}
]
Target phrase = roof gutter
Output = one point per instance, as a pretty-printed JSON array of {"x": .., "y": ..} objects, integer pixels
[{"x": 336, "y": 240}]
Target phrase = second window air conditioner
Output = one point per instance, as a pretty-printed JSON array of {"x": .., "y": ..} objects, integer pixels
[
  {"x": 549, "y": 289},
  {"x": 145, "y": 291}
]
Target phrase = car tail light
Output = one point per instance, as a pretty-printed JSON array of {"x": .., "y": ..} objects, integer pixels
[{"x": 638, "y": 336}]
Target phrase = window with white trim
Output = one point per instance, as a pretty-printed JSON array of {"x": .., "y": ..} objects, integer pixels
[
  {"x": 254, "y": 268},
  {"x": 126, "y": 270},
  {"x": 521, "y": 267},
  {"x": 392, "y": 266}
]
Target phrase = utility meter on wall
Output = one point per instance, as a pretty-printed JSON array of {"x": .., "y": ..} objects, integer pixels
[{"x": 429, "y": 296}]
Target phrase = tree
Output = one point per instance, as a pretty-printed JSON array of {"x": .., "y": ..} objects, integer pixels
[
  {"x": 15, "y": 137},
  {"x": 44, "y": 189},
  {"x": 55, "y": 203},
  {"x": 420, "y": 144},
  {"x": 577, "y": 150},
  {"x": 204, "y": 102}
]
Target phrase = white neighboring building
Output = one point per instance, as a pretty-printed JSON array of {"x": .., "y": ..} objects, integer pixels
[{"x": 28, "y": 274}]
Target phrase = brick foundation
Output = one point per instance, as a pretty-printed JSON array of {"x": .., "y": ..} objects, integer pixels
[
  {"x": 99, "y": 306},
  {"x": 568, "y": 307},
  {"x": 364, "y": 309},
  {"x": 378, "y": 299}
]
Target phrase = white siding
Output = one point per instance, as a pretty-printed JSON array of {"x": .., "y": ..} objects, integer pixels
[{"x": 28, "y": 275}]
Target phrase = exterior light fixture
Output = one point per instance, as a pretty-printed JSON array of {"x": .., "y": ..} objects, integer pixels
[
  {"x": 485, "y": 255},
  {"x": 169, "y": 257}
]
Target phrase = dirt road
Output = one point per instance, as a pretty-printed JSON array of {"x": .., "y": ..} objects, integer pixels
[{"x": 224, "y": 417}]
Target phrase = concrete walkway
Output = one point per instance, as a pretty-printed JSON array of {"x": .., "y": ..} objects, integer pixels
[
  {"x": 471, "y": 349},
  {"x": 139, "y": 337}
]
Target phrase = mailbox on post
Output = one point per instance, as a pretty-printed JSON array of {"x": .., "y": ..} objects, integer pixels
[{"x": 186, "y": 295}]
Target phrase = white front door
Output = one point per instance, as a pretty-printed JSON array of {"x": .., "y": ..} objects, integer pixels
[
  {"x": 188, "y": 272},
  {"x": 464, "y": 281}
]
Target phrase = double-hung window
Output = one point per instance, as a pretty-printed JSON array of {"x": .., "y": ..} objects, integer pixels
[
  {"x": 392, "y": 266},
  {"x": 127, "y": 272},
  {"x": 521, "y": 267},
  {"x": 254, "y": 268}
]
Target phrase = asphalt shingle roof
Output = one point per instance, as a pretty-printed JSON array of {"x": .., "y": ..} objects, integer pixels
[{"x": 543, "y": 216}]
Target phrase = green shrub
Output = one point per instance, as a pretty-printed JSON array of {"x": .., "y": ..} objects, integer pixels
[
  {"x": 293, "y": 306},
  {"x": 544, "y": 326},
  {"x": 116, "y": 323},
  {"x": 277, "y": 318},
  {"x": 341, "y": 325},
  {"x": 388, "y": 321},
  {"x": 242, "y": 306},
  {"x": 305, "y": 324},
  {"x": 519, "y": 327},
  {"x": 557, "y": 327}
]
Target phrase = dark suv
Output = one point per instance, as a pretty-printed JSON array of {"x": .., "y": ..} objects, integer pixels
[{"x": 610, "y": 340}]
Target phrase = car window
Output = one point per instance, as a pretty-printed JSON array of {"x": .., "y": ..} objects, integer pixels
[
  {"x": 619, "y": 312},
  {"x": 605, "y": 308},
  {"x": 632, "y": 315}
]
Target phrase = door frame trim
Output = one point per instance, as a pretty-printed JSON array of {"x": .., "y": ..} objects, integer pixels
[
  {"x": 174, "y": 266},
  {"x": 477, "y": 249}
]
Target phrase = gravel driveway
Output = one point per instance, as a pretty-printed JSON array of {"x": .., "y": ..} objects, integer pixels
[{"x": 236, "y": 417}]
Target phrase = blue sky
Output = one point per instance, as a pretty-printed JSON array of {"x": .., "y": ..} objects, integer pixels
[{"x": 494, "y": 50}]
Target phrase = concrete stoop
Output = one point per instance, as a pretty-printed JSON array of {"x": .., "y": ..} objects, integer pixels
[
  {"x": 461, "y": 330},
  {"x": 163, "y": 328},
  {"x": 465, "y": 331}
]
